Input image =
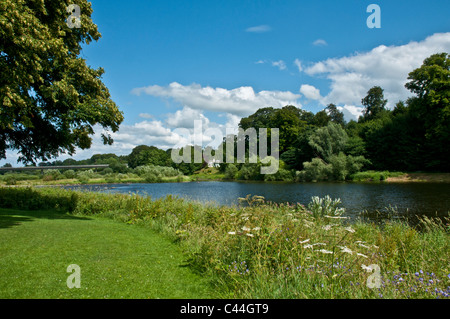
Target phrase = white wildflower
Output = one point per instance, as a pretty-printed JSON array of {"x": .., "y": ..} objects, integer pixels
[
  {"x": 346, "y": 250},
  {"x": 366, "y": 268},
  {"x": 324, "y": 251},
  {"x": 257, "y": 228},
  {"x": 308, "y": 246},
  {"x": 326, "y": 227},
  {"x": 245, "y": 228},
  {"x": 364, "y": 246},
  {"x": 232, "y": 233},
  {"x": 305, "y": 241},
  {"x": 359, "y": 254},
  {"x": 349, "y": 229},
  {"x": 249, "y": 235}
]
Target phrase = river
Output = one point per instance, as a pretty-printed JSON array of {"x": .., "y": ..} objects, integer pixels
[{"x": 409, "y": 199}]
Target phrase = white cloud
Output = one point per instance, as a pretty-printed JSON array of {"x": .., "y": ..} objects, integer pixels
[
  {"x": 299, "y": 65},
  {"x": 259, "y": 29},
  {"x": 351, "y": 77},
  {"x": 351, "y": 112},
  {"x": 279, "y": 64},
  {"x": 320, "y": 42},
  {"x": 241, "y": 101},
  {"x": 185, "y": 118},
  {"x": 310, "y": 92}
]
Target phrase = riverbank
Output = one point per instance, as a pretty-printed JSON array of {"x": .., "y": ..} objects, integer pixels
[
  {"x": 421, "y": 177},
  {"x": 266, "y": 250},
  {"x": 204, "y": 176}
]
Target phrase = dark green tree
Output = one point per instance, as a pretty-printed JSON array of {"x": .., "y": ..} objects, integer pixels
[
  {"x": 374, "y": 103},
  {"x": 50, "y": 99},
  {"x": 148, "y": 155},
  {"x": 431, "y": 107}
]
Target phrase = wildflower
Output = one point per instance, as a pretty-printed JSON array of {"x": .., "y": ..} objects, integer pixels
[
  {"x": 249, "y": 235},
  {"x": 324, "y": 251},
  {"x": 362, "y": 245},
  {"x": 366, "y": 268},
  {"x": 308, "y": 246},
  {"x": 326, "y": 227},
  {"x": 346, "y": 250},
  {"x": 359, "y": 254},
  {"x": 307, "y": 240},
  {"x": 257, "y": 228},
  {"x": 232, "y": 233},
  {"x": 245, "y": 228},
  {"x": 349, "y": 229},
  {"x": 335, "y": 217}
]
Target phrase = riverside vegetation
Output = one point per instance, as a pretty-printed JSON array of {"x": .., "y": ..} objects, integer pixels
[{"x": 265, "y": 250}]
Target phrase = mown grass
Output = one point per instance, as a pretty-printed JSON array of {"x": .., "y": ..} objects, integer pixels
[
  {"x": 116, "y": 260},
  {"x": 265, "y": 250}
]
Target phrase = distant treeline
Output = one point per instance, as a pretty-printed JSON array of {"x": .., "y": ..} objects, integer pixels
[{"x": 414, "y": 135}]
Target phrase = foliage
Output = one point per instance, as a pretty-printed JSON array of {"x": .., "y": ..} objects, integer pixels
[
  {"x": 147, "y": 155},
  {"x": 374, "y": 103},
  {"x": 329, "y": 140},
  {"x": 50, "y": 98}
]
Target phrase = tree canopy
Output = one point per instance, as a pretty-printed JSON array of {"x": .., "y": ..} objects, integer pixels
[{"x": 50, "y": 98}]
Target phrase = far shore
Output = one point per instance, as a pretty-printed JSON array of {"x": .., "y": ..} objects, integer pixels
[
  {"x": 416, "y": 177},
  {"x": 420, "y": 177}
]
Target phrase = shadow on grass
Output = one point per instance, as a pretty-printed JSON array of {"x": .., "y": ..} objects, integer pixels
[{"x": 14, "y": 217}]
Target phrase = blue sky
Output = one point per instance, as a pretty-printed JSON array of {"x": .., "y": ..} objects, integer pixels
[{"x": 170, "y": 62}]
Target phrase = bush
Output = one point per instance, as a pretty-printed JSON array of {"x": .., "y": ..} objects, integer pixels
[
  {"x": 326, "y": 206},
  {"x": 153, "y": 172},
  {"x": 52, "y": 175},
  {"x": 70, "y": 174},
  {"x": 316, "y": 170},
  {"x": 231, "y": 171}
]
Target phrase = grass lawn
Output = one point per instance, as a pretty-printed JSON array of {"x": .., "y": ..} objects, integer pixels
[{"x": 116, "y": 260}]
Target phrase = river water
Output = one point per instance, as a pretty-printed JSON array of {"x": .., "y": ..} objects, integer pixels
[{"x": 371, "y": 199}]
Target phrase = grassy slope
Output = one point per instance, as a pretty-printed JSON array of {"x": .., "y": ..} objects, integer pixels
[{"x": 117, "y": 260}]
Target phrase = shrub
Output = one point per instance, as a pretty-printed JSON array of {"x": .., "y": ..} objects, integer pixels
[
  {"x": 326, "y": 206},
  {"x": 70, "y": 174},
  {"x": 153, "y": 171},
  {"x": 316, "y": 170},
  {"x": 231, "y": 171}
]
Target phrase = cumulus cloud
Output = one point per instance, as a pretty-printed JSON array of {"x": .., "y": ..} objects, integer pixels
[
  {"x": 186, "y": 117},
  {"x": 259, "y": 29},
  {"x": 241, "y": 101},
  {"x": 386, "y": 66},
  {"x": 310, "y": 92}
]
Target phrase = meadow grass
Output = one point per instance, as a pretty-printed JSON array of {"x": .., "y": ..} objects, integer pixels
[{"x": 267, "y": 250}]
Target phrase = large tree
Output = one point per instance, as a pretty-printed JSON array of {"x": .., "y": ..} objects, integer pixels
[
  {"x": 431, "y": 107},
  {"x": 374, "y": 103},
  {"x": 50, "y": 99}
]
